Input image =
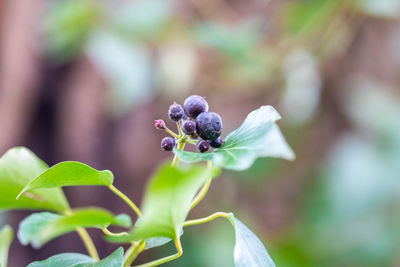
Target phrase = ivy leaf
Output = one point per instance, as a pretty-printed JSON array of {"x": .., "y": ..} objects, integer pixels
[
  {"x": 69, "y": 173},
  {"x": 39, "y": 228},
  {"x": 116, "y": 259},
  {"x": 167, "y": 202},
  {"x": 153, "y": 242},
  {"x": 64, "y": 260},
  {"x": 258, "y": 136},
  {"x": 18, "y": 166},
  {"x": 80, "y": 260},
  {"x": 6, "y": 237},
  {"x": 248, "y": 251}
]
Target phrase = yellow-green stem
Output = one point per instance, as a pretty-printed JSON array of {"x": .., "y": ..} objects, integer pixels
[
  {"x": 86, "y": 239},
  {"x": 206, "y": 219},
  {"x": 109, "y": 233},
  {"x": 179, "y": 253},
  {"x": 126, "y": 199},
  {"x": 175, "y": 160},
  {"x": 191, "y": 141},
  {"x": 171, "y": 132},
  {"x": 133, "y": 251},
  {"x": 203, "y": 190},
  {"x": 178, "y": 124},
  {"x": 88, "y": 243}
]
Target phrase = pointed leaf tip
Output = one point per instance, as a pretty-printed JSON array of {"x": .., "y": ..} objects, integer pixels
[
  {"x": 249, "y": 251},
  {"x": 69, "y": 173}
]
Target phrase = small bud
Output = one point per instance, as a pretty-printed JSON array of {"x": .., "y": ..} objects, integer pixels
[{"x": 159, "y": 124}]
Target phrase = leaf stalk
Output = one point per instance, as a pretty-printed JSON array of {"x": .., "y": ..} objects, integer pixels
[{"x": 126, "y": 199}]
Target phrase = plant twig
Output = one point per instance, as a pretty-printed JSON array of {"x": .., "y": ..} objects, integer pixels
[
  {"x": 133, "y": 251},
  {"x": 206, "y": 219},
  {"x": 171, "y": 132},
  {"x": 109, "y": 233},
  {"x": 88, "y": 243},
  {"x": 126, "y": 199},
  {"x": 86, "y": 239},
  {"x": 178, "y": 125},
  {"x": 179, "y": 253},
  {"x": 175, "y": 160},
  {"x": 204, "y": 189},
  {"x": 191, "y": 141}
]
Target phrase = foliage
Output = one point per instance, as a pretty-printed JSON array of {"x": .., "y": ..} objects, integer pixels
[
  {"x": 75, "y": 259},
  {"x": 170, "y": 195}
]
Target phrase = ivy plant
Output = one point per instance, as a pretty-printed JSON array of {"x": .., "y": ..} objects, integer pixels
[{"x": 175, "y": 188}]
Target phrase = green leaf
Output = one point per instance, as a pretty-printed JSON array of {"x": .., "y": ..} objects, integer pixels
[
  {"x": 69, "y": 173},
  {"x": 248, "y": 251},
  {"x": 18, "y": 166},
  {"x": 6, "y": 237},
  {"x": 153, "y": 242},
  {"x": 114, "y": 260},
  {"x": 39, "y": 228},
  {"x": 80, "y": 260},
  {"x": 64, "y": 260},
  {"x": 167, "y": 202},
  {"x": 258, "y": 136}
]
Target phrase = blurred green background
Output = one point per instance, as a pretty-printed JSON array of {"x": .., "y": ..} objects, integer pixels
[{"x": 84, "y": 80}]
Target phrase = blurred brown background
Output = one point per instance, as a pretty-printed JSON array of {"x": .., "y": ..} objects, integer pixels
[{"x": 83, "y": 80}]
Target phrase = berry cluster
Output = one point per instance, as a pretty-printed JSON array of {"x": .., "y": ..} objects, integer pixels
[{"x": 194, "y": 121}]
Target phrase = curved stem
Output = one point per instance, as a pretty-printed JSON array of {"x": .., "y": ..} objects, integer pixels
[
  {"x": 126, "y": 199},
  {"x": 109, "y": 233},
  {"x": 88, "y": 243},
  {"x": 133, "y": 251},
  {"x": 206, "y": 219},
  {"x": 204, "y": 189},
  {"x": 86, "y": 239},
  {"x": 179, "y": 253}
]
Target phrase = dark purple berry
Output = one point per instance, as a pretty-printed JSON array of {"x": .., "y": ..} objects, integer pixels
[
  {"x": 175, "y": 112},
  {"x": 202, "y": 146},
  {"x": 194, "y": 105},
  {"x": 209, "y": 125},
  {"x": 168, "y": 143},
  {"x": 159, "y": 124},
  {"x": 216, "y": 142},
  {"x": 189, "y": 127}
]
